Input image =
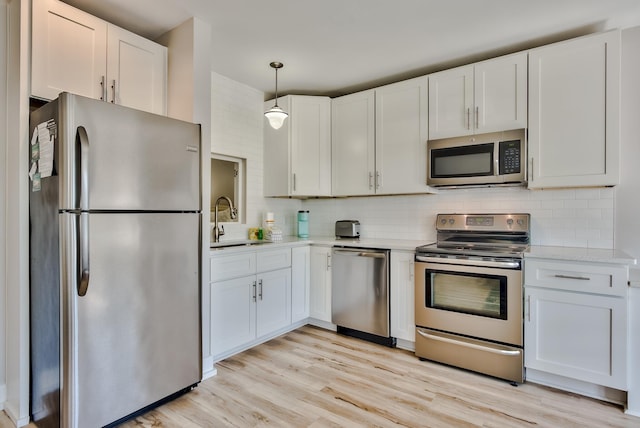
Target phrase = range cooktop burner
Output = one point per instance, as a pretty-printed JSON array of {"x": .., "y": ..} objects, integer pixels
[{"x": 481, "y": 235}]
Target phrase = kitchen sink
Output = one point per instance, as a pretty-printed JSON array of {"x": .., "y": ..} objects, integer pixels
[{"x": 232, "y": 244}]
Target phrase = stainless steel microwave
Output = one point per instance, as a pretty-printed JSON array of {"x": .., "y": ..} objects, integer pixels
[{"x": 498, "y": 158}]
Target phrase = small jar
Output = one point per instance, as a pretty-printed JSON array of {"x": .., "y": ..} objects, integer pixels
[{"x": 303, "y": 224}]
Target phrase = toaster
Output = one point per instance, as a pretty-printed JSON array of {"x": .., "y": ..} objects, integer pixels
[{"x": 347, "y": 229}]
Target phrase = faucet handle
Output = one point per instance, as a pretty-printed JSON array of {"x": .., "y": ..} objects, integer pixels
[{"x": 220, "y": 230}]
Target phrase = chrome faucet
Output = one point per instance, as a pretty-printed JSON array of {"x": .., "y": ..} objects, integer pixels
[{"x": 218, "y": 231}]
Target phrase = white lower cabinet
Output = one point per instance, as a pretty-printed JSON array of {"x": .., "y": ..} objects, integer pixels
[
  {"x": 300, "y": 283},
  {"x": 250, "y": 298},
  {"x": 320, "y": 295},
  {"x": 403, "y": 325},
  {"x": 576, "y": 321}
]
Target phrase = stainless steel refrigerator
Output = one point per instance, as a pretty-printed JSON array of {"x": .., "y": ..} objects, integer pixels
[{"x": 115, "y": 245}]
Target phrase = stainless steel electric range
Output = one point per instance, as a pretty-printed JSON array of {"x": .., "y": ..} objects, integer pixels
[{"x": 468, "y": 293}]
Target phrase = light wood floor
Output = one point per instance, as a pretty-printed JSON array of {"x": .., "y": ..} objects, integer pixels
[{"x": 316, "y": 378}]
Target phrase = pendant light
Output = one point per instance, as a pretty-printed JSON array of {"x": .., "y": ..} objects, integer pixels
[{"x": 275, "y": 114}]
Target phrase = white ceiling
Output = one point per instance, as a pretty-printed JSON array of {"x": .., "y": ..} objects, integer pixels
[{"x": 334, "y": 47}]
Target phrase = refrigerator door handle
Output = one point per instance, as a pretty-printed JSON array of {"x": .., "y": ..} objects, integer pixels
[
  {"x": 83, "y": 139},
  {"x": 83, "y": 254},
  {"x": 83, "y": 240}
]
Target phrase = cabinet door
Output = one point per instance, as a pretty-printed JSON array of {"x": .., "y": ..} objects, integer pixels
[
  {"x": 500, "y": 94},
  {"x": 401, "y": 137},
  {"x": 320, "y": 296},
  {"x": 580, "y": 336},
  {"x": 136, "y": 71},
  {"x": 353, "y": 144},
  {"x": 68, "y": 52},
  {"x": 273, "y": 310},
  {"x": 233, "y": 313},
  {"x": 310, "y": 146},
  {"x": 574, "y": 101},
  {"x": 300, "y": 282},
  {"x": 451, "y": 102},
  {"x": 403, "y": 325},
  {"x": 276, "y": 152}
]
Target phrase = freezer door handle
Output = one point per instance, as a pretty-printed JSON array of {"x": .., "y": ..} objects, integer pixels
[
  {"x": 83, "y": 254},
  {"x": 83, "y": 241}
]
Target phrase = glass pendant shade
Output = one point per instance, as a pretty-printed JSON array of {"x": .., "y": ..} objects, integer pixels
[{"x": 276, "y": 116}]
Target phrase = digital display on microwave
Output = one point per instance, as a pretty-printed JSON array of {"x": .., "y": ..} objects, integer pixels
[{"x": 465, "y": 161}]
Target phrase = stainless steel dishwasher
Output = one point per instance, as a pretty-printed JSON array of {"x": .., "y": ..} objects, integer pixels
[{"x": 360, "y": 294}]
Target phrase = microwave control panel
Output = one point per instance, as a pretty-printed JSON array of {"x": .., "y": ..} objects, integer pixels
[{"x": 509, "y": 156}]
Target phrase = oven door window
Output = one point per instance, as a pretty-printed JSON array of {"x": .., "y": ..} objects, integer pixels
[
  {"x": 475, "y": 294},
  {"x": 464, "y": 161}
]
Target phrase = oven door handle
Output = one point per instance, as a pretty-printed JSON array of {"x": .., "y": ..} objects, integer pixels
[
  {"x": 515, "y": 264},
  {"x": 470, "y": 345}
]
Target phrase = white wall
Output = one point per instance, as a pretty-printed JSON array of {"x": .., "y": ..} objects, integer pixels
[
  {"x": 17, "y": 213},
  {"x": 628, "y": 192},
  {"x": 567, "y": 217},
  {"x": 236, "y": 130},
  {"x": 3, "y": 182}
]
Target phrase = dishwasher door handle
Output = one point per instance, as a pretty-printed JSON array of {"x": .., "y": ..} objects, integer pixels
[{"x": 358, "y": 253}]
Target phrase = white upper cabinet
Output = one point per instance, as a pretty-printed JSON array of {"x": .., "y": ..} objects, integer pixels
[
  {"x": 75, "y": 52},
  {"x": 401, "y": 137},
  {"x": 574, "y": 105},
  {"x": 297, "y": 157},
  {"x": 379, "y": 140},
  {"x": 485, "y": 97},
  {"x": 353, "y": 144}
]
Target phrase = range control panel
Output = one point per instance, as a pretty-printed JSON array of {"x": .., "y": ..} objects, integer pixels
[{"x": 484, "y": 222}]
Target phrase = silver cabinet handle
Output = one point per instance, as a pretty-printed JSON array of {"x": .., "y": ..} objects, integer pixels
[
  {"x": 370, "y": 180},
  {"x": 103, "y": 88},
  {"x": 580, "y": 278},
  {"x": 83, "y": 253},
  {"x": 378, "y": 179},
  {"x": 328, "y": 261},
  {"x": 254, "y": 290},
  {"x": 294, "y": 181},
  {"x": 528, "y": 308},
  {"x": 260, "y": 289},
  {"x": 532, "y": 169},
  {"x": 468, "y": 118},
  {"x": 470, "y": 345},
  {"x": 113, "y": 91},
  {"x": 477, "y": 117}
]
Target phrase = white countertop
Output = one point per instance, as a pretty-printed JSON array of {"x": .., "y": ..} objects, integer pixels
[
  {"x": 391, "y": 244},
  {"x": 596, "y": 255}
]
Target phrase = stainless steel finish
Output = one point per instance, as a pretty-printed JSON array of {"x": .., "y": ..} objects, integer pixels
[
  {"x": 508, "y": 264},
  {"x": 113, "y": 91},
  {"x": 218, "y": 229},
  {"x": 104, "y": 348},
  {"x": 378, "y": 179},
  {"x": 254, "y": 287},
  {"x": 103, "y": 88},
  {"x": 360, "y": 290},
  {"x": 260, "y": 292},
  {"x": 468, "y": 293},
  {"x": 468, "y": 344},
  {"x": 370, "y": 180},
  {"x": 347, "y": 229},
  {"x": 478, "y": 139},
  {"x": 468, "y": 119},
  {"x": 477, "y": 117},
  {"x": 472, "y": 325},
  {"x": 580, "y": 278},
  {"x": 503, "y": 361}
]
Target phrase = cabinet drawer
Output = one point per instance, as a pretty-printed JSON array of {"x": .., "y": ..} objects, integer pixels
[
  {"x": 598, "y": 278},
  {"x": 273, "y": 259},
  {"x": 232, "y": 266}
]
